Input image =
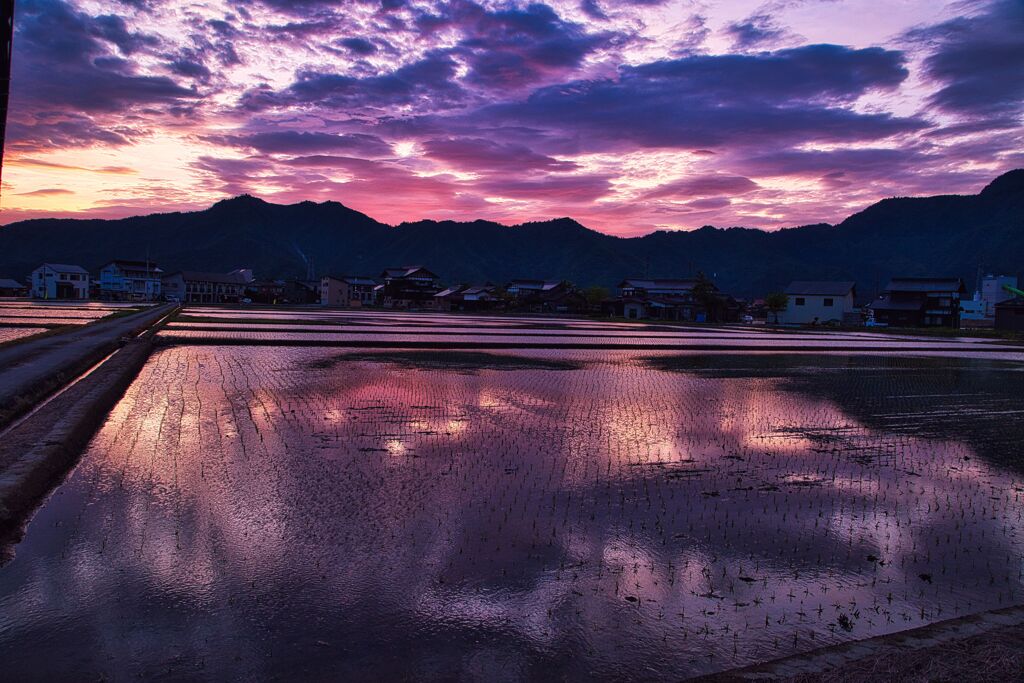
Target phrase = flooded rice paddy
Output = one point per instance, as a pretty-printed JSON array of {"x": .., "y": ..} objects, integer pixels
[
  {"x": 21, "y": 318},
  {"x": 271, "y": 512}
]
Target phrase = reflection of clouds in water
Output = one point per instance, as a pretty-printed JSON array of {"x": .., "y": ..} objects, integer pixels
[{"x": 613, "y": 516}]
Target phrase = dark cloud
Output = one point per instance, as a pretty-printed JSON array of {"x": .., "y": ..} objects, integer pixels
[
  {"x": 190, "y": 69},
  {"x": 473, "y": 154},
  {"x": 429, "y": 80},
  {"x": 299, "y": 142},
  {"x": 978, "y": 61},
  {"x": 703, "y": 186},
  {"x": 707, "y": 101},
  {"x": 62, "y": 132},
  {"x": 48, "y": 192},
  {"x": 757, "y": 30},
  {"x": 359, "y": 46},
  {"x": 514, "y": 46},
  {"x": 61, "y": 58},
  {"x": 566, "y": 189},
  {"x": 113, "y": 29}
]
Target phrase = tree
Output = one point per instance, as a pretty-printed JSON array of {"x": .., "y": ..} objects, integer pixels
[
  {"x": 595, "y": 295},
  {"x": 706, "y": 294},
  {"x": 776, "y": 302}
]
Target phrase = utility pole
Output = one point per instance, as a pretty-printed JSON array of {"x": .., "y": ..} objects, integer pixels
[{"x": 7, "y": 15}]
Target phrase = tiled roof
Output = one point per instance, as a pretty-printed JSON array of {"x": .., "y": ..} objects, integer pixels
[
  {"x": 64, "y": 268},
  {"x": 821, "y": 288},
  {"x": 924, "y": 284}
]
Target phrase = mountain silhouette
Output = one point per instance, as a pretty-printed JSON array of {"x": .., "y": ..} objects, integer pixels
[{"x": 943, "y": 235}]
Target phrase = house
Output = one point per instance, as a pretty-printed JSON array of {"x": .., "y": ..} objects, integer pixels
[
  {"x": 920, "y": 302},
  {"x": 546, "y": 296},
  {"x": 123, "y": 280},
  {"x": 813, "y": 302},
  {"x": 347, "y": 290},
  {"x": 1010, "y": 315},
  {"x": 466, "y": 298},
  {"x": 521, "y": 290},
  {"x": 9, "y": 287},
  {"x": 60, "y": 281},
  {"x": 671, "y": 299},
  {"x": 266, "y": 291},
  {"x": 189, "y": 286},
  {"x": 301, "y": 292},
  {"x": 409, "y": 287}
]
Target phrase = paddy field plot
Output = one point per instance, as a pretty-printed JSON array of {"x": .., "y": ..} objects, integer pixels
[{"x": 263, "y": 511}]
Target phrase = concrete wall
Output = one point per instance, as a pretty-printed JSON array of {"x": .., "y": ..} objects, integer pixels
[{"x": 814, "y": 307}]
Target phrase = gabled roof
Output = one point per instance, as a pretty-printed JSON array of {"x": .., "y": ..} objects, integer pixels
[
  {"x": 445, "y": 293},
  {"x": 353, "y": 279},
  {"x": 65, "y": 268},
  {"x": 820, "y": 288},
  {"x": 407, "y": 271},
  {"x": 539, "y": 285},
  {"x": 7, "y": 283},
  {"x": 134, "y": 265},
  {"x": 925, "y": 284},
  {"x": 658, "y": 283}
]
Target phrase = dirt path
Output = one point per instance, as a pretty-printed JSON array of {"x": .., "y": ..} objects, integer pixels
[
  {"x": 31, "y": 370},
  {"x": 981, "y": 647}
]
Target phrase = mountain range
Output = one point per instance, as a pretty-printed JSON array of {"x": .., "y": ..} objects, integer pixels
[{"x": 949, "y": 235}]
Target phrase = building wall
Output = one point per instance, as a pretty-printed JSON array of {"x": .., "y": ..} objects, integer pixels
[
  {"x": 814, "y": 306},
  {"x": 118, "y": 284},
  {"x": 333, "y": 292},
  {"x": 992, "y": 291},
  {"x": 49, "y": 284},
  {"x": 1010, "y": 318}
]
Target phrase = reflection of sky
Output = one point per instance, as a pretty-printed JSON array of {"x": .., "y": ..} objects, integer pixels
[{"x": 244, "y": 513}]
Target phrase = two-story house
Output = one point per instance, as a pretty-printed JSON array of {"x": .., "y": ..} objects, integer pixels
[
  {"x": 60, "y": 281},
  {"x": 920, "y": 302},
  {"x": 123, "y": 280},
  {"x": 347, "y": 290}
]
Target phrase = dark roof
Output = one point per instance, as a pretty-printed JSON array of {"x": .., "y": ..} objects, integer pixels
[
  {"x": 141, "y": 265},
  {"x": 218, "y": 278},
  {"x": 823, "y": 288},
  {"x": 64, "y": 268},
  {"x": 658, "y": 283},
  {"x": 1015, "y": 302},
  {"x": 353, "y": 279},
  {"x": 7, "y": 283},
  {"x": 407, "y": 271},
  {"x": 925, "y": 284},
  {"x": 887, "y": 304},
  {"x": 541, "y": 285}
]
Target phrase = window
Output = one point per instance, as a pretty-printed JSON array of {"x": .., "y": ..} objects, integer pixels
[
  {"x": 800, "y": 301},
  {"x": 828, "y": 302}
]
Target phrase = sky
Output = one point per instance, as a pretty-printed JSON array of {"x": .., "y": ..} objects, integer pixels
[{"x": 628, "y": 115}]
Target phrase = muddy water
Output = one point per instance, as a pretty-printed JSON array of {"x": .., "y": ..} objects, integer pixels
[{"x": 261, "y": 513}]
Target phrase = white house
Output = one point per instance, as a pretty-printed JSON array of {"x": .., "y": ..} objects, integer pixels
[
  {"x": 60, "y": 281},
  {"x": 130, "y": 281},
  {"x": 817, "y": 302}
]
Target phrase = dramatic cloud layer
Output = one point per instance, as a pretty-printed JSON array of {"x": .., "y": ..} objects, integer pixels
[{"x": 629, "y": 116}]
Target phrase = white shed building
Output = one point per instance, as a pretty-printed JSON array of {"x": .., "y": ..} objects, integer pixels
[{"x": 817, "y": 302}]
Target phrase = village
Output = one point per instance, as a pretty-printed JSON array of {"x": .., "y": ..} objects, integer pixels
[{"x": 905, "y": 302}]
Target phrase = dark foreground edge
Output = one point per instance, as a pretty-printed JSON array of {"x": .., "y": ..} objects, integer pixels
[{"x": 988, "y": 646}]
